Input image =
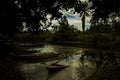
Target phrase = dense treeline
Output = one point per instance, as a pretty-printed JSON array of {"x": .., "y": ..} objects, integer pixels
[
  {"x": 34, "y": 13},
  {"x": 102, "y": 36}
]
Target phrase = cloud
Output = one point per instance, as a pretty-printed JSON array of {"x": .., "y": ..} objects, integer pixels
[
  {"x": 73, "y": 19},
  {"x": 76, "y": 21}
]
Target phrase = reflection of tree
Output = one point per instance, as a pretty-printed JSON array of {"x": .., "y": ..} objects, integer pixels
[
  {"x": 8, "y": 66},
  {"x": 83, "y": 71},
  {"x": 82, "y": 59},
  {"x": 102, "y": 59},
  {"x": 107, "y": 64},
  {"x": 65, "y": 52}
]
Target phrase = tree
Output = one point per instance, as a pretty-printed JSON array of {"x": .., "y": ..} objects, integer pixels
[
  {"x": 116, "y": 27},
  {"x": 84, "y": 11},
  {"x": 65, "y": 32},
  {"x": 9, "y": 17},
  {"x": 33, "y": 12},
  {"x": 104, "y": 8},
  {"x": 101, "y": 28}
]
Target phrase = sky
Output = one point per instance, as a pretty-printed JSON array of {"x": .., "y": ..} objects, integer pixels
[{"x": 74, "y": 19}]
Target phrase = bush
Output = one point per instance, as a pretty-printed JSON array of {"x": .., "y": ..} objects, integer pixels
[{"x": 100, "y": 41}]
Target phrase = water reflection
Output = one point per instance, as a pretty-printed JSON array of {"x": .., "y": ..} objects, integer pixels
[
  {"x": 34, "y": 71},
  {"x": 83, "y": 71},
  {"x": 38, "y": 71},
  {"x": 57, "y": 48},
  {"x": 48, "y": 49}
]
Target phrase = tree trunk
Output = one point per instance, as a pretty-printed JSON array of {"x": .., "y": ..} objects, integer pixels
[{"x": 83, "y": 23}]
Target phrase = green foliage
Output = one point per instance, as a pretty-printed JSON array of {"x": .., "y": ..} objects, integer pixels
[
  {"x": 44, "y": 36},
  {"x": 107, "y": 64},
  {"x": 100, "y": 28},
  {"x": 102, "y": 59},
  {"x": 33, "y": 12},
  {"x": 100, "y": 41},
  {"x": 116, "y": 27},
  {"x": 84, "y": 10},
  {"x": 66, "y": 32},
  {"x": 103, "y": 11}
]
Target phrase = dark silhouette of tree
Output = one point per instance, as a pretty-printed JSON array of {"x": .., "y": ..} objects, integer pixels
[
  {"x": 84, "y": 10},
  {"x": 104, "y": 8},
  {"x": 33, "y": 12},
  {"x": 9, "y": 17},
  {"x": 65, "y": 31},
  {"x": 100, "y": 28},
  {"x": 116, "y": 26}
]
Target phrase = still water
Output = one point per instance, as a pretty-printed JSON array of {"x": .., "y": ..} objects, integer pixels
[
  {"x": 57, "y": 48},
  {"x": 38, "y": 70}
]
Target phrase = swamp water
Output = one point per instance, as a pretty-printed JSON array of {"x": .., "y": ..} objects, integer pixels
[{"x": 75, "y": 71}]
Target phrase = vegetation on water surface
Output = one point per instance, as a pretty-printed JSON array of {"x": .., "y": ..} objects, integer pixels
[{"x": 107, "y": 64}]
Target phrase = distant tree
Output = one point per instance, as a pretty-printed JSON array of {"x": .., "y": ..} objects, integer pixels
[
  {"x": 100, "y": 28},
  {"x": 84, "y": 11},
  {"x": 116, "y": 26},
  {"x": 65, "y": 32}
]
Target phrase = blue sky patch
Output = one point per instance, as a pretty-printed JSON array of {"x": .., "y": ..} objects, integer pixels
[{"x": 69, "y": 16}]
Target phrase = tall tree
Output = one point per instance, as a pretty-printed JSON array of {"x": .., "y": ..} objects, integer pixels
[
  {"x": 14, "y": 12},
  {"x": 84, "y": 11},
  {"x": 35, "y": 11}
]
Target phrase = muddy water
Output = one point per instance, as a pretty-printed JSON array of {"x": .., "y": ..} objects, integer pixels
[{"x": 38, "y": 70}]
